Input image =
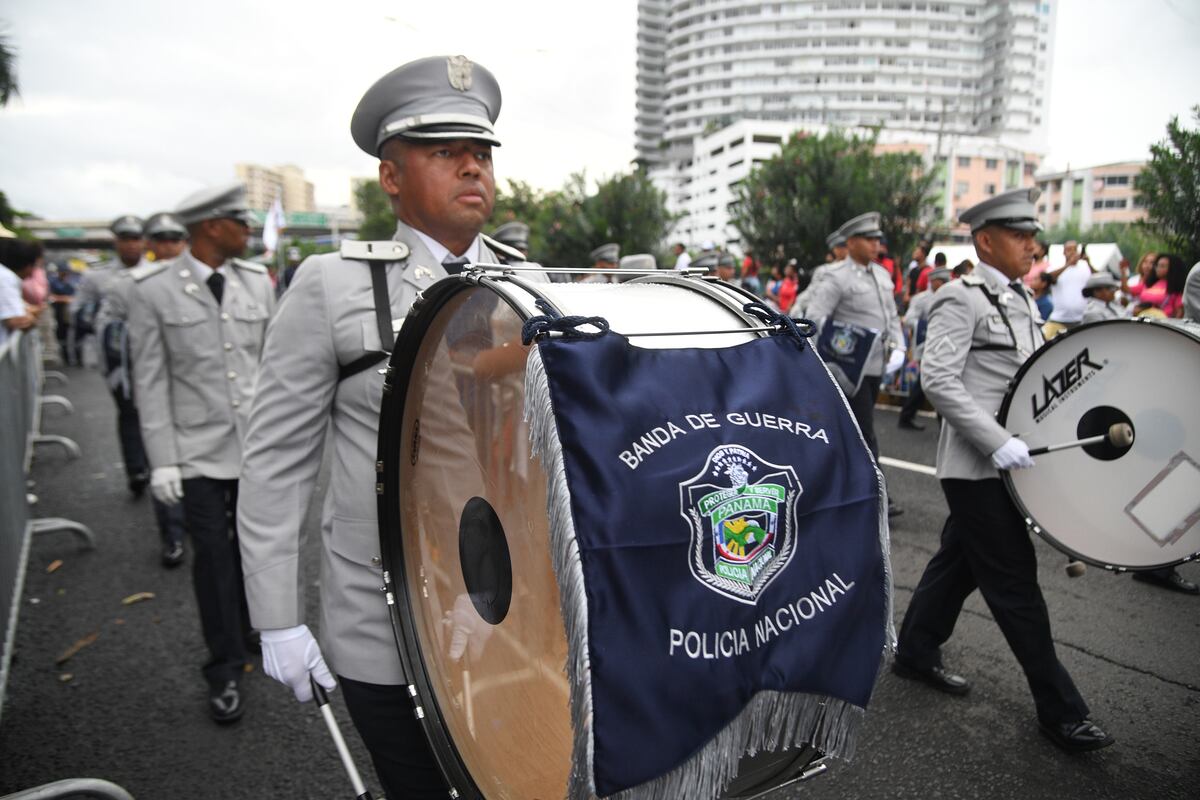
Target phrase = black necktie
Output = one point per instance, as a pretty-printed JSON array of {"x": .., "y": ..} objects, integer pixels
[
  {"x": 454, "y": 265},
  {"x": 216, "y": 283}
]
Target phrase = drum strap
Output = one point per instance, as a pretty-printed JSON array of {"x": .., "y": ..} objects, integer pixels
[
  {"x": 995, "y": 301},
  {"x": 383, "y": 318}
]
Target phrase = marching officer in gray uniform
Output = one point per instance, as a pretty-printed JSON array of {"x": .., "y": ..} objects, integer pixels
[
  {"x": 836, "y": 243},
  {"x": 1100, "y": 298},
  {"x": 981, "y": 329},
  {"x": 89, "y": 297},
  {"x": 164, "y": 235},
  {"x": 606, "y": 256},
  {"x": 87, "y": 307},
  {"x": 515, "y": 234},
  {"x": 430, "y": 122},
  {"x": 859, "y": 292},
  {"x": 196, "y": 328}
]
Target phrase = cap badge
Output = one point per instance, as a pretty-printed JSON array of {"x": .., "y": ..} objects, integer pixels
[{"x": 459, "y": 69}]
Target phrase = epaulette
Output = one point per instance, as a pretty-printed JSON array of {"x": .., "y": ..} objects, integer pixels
[
  {"x": 250, "y": 265},
  {"x": 389, "y": 250},
  {"x": 143, "y": 271},
  {"x": 973, "y": 280},
  {"x": 499, "y": 247}
]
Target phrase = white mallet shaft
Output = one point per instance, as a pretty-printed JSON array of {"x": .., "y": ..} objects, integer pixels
[
  {"x": 1119, "y": 434},
  {"x": 322, "y": 699}
]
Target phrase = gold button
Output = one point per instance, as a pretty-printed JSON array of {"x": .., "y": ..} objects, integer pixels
[
  {"x": 229, "y": 345},
  {"x": 224, "y": 316},
  {"x": 375, "y": 561},
  {"x": 231, "y": 374},
  {"x": 237, "y": 403}
]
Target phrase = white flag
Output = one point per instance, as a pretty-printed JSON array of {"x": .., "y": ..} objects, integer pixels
[{"x": 272, "y": 225}]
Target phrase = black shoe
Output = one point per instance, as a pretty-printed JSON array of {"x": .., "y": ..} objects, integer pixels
[
  {"x": 253, "y": 642},
  {"x": 138, "y": 483},
  {"x": 894, "y": 510},
  {"x": 172, "y": 554},
  {"x": 910, "y": 425},
  {"x": 1076, "y": 737},
  {"x": 1170, "y": 579},
  {"x": 225, "y": 702},
  {"x": 937, "y": 677}
]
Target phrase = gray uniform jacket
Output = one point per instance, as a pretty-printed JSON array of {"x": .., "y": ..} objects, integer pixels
[
  {"x": 93, "y": 286},
  {"x": 849, "y": 293},
  {"x": 918, "y": 309},
  {"x": 194, "y": 362},
  {"x": 801, "y": 302},
  {"x": 327, "y": 318},
  {"x": 965, "y": 383},
  {"x": 1097, "y": 311}
]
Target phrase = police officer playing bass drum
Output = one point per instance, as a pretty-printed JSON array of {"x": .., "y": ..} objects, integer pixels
[
  {"x": 430, "y": 124},
  {"x": 981, "y": 329}
]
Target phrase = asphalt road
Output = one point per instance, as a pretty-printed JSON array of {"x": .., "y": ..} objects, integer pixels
[{"x": 130, "y": 706}]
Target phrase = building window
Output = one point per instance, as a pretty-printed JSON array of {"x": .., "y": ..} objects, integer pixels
[
  {"x": 1097, "y": 205},
  {"x": 1116, "y": 180},
  {"x": 960, "y": 188},
  {"x": 964, "y": 161},
  {"x": 989, "y": 188}
]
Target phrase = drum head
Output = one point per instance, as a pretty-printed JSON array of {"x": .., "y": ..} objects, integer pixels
[
  {"x": 465, "y": 539},
  {"x": 1131, "y": 507}
]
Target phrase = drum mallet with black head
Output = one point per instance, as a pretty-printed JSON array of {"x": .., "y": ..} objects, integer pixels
[
  {"x": 360, "y": 791},
  {"x": 1119, "y": 434}
]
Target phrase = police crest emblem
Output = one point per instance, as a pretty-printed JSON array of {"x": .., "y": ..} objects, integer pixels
[
  {"x": 459, "y": 69},
  {"x": 741, "y": 510},
  {"x": 843, "y": 342}
]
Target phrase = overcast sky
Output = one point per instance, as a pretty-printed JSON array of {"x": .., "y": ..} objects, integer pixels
[{"x": 127, "y": 105}]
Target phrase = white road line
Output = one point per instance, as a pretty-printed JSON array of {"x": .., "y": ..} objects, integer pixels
[{"x": 908, "y": 465}]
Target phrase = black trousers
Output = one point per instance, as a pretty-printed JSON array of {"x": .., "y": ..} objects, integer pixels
[
  {"x": 985, "y": 546},
  {"x": 912, "y": 403},
  {"x": 209, "y": 509},
  {"x": 862, "y": 405},
  {"x": 383, "y": 716},
  {"x": 129, "y": 431}
]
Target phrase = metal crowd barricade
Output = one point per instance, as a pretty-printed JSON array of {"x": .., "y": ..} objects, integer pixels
[{"x": 20, "y": 433}]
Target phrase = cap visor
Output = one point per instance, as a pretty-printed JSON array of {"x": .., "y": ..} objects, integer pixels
[{"x": 424, "y": 136}]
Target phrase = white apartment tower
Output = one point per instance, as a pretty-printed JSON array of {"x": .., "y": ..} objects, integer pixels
[{"x": 960, "y": 67}]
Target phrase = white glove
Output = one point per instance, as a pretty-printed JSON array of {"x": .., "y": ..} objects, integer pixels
[
  {"x": 1013, "y": 454},
  {"x": 166, "y": 484},
  {"x": 895, "y": 362},
  {"x": 468, "y": 629},
  {"x": 290, "y": 654}
]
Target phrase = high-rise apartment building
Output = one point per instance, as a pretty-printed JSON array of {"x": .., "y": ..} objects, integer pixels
[
  {"x": 287, "y": 182},
  {"x": 966, "y": 67}
]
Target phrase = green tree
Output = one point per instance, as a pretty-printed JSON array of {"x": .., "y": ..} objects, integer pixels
[
  {"x": 1169, "y": 187},
  {"x": 787, "y": 205},
  {"x": 8, "y": 71},
  {"x": 566, "y": 224},
  {"x": 379, "y": 221}
]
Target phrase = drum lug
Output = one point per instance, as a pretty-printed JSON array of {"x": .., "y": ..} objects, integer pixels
[
  {"x": 379, "y": 466},
  {"x": 379, "y": 488}
]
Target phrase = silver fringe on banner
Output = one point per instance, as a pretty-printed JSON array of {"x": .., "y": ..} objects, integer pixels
[{"x": 771, "y": 721}]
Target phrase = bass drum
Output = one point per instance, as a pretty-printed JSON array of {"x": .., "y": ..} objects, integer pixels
[
  {"x": 1134, "y": 507},
  {"x": 465, "y": 532}
]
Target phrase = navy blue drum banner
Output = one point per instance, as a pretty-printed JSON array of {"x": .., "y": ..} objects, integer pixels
[{"x": 719, "y": 537}]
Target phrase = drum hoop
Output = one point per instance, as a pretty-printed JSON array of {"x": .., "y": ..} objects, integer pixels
[
  {"x": 1002, "y": 417},
  {"x": 391, "y": 421}
]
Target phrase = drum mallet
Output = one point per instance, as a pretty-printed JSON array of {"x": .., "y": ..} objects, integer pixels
[
  {"x": 360, "y": 791},
  {"x": 1119, "y": 434}
]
